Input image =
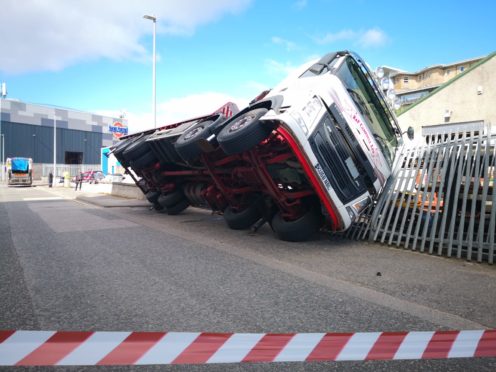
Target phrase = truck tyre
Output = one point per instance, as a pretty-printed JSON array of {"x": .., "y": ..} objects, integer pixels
[
  {"x": 244, "y": 132},
  {"x": 178, "y": 208},
  {"x": 157, "y": 207},
  {"x": 299, "y": 230},
  {"x": 136, "y": 149},
  {"x": 143, "y": 186},
  {"x": 244, "y": 219},
  {"x": 187, "y": 144},
  {"x": 120, "y": 147},
  {"x": 145, "y": 161},
  {"x": 152, "y": 196},
  {"x": 171, "y": 199}
]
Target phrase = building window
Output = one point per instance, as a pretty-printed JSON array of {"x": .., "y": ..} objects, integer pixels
[
  {"x": 448, "y": 71},
  {"x": 462, "y": 68},
  {"x": 405, "y": 80}
]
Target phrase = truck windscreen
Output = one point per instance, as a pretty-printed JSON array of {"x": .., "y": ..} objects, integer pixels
[{"x": 369, "y": 106}]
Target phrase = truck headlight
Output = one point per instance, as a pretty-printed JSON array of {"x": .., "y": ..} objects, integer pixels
[{"x": 351, "y": 214}]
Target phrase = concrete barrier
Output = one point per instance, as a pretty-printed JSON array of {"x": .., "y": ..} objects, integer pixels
[{"x": 127, "y": 190}]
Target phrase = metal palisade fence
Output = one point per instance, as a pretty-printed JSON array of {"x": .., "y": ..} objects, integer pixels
[
  {"x": 72, "y": 169},
  {"x": 440, "y": 199}
]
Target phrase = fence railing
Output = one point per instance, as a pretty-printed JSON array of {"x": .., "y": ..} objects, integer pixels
[
  {"x": 73, "y": 169},
  {"x": 440, "y": 199}
]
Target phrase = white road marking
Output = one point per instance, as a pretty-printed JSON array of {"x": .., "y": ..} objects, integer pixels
[{"x": 44, "y": 198}]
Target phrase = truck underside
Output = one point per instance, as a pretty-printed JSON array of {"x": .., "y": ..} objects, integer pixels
[{"x": 268, "y": 182}]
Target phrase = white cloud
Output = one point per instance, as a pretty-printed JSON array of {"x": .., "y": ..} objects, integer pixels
[
  {"x": 289, "y": 45},
  {"x": 52, "y": 34},
  {"x": 178, "y": 109},
  {"x": 255, "y": 87},
  {"x": 373, "y": 37},
  {"x": 288, "y": 69},
  {"x": 182, "y": 108},
  {"x": 300, "y": 4},
  {"x": 279, "y": 68},
  {"x": 330, "y": 38}
]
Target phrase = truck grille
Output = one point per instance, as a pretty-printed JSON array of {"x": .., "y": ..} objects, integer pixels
[
  {"x": 332, "y": 152},
  {"x": 332, "y": 161}
]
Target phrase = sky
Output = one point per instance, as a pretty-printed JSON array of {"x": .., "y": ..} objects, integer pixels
[{"x": 96, "y": 56}]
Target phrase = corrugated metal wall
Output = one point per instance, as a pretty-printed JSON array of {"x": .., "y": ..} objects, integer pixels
[{"x": 34, "y": 141}]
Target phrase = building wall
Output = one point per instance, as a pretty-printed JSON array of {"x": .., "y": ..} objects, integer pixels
[
  {"x": 461, "y": 98},
  {"x": 430, "y": 77},
  {"x": 28, "y": 130},
  {"x": 36, "y": 142}
]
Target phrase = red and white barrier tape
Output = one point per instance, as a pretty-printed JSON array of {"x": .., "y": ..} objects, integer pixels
[{"x": 43, "y": 348}]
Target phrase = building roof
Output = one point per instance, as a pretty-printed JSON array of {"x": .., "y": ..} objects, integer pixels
[
  {"x": 392, "y": 70},
  {"x": 403, "y": 92},
  {"x": 438, "y": 66},
  {"x": 449, "y": 82}
]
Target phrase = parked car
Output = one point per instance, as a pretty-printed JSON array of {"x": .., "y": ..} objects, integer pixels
[
  {"x": 90, "y": 177},
  {"x": 116, "y": 177},
  {"x": 311, "y": 153}
]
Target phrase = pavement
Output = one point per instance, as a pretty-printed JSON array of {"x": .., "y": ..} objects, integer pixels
[
  {"x": 97, "y": 194},
  {"x": 66, "y": 263}
]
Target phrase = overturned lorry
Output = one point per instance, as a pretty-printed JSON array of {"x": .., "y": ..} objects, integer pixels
[{"x": 310, "y": 154}]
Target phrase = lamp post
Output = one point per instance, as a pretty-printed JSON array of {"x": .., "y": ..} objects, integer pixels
[
  {"x": 54, "y": 144},
  {"x": 34, "y": 148},
  {"x": 85, "y": 153},
  {"x": 154, "y": 77},
  {"x": 3, "y": 94},
  {"x": 3, "y": 157}
]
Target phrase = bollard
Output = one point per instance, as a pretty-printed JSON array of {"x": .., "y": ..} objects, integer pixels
[{"x": 67, "y": 179}]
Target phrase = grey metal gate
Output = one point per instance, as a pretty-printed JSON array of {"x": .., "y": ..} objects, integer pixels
[{"x": 440, "y": 199}]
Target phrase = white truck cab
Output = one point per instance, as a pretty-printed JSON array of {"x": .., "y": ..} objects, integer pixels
[{"x": 342, "y": 127}]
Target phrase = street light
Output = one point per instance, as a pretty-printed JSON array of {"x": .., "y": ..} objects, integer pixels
[
  {"x": 154, "y": 78},
  {"x": 3, "y": 94},
  {"x": 54, "y": 142}
]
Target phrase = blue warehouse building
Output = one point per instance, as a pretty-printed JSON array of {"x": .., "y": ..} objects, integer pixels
[{"x": 28, "y": 131}]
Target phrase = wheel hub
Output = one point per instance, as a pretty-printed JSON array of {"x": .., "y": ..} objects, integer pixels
[
  {"x": 242, "y": 122},
  {"x": 193, "y": 133}
]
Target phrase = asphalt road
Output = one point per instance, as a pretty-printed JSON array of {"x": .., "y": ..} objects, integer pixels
[{"x": 69, "y": 265}]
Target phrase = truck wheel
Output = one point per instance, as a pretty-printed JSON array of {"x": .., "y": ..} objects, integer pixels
[
  {"x": 145, "y": 161},
  {"x": 299, "y": 230},
  {"x": 136, "y": 149},
  {"x": 152, "y": 196},
  {"x": 244, "y": 219},
  {"x": 178, "y": 208},
  {"x": 143, "y": 186},
  {"x": 187, "y": 144},
  {"x": 120, "y": 147},
  {"x": 119, "y": 151},
  {"x": 244, "y": 132},
  {"x": 157, "y": 207},
  {"x": 171, "y": 199}
]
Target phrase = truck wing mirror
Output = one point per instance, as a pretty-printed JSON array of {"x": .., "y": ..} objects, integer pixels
[{"x": 410, "y": 132}]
